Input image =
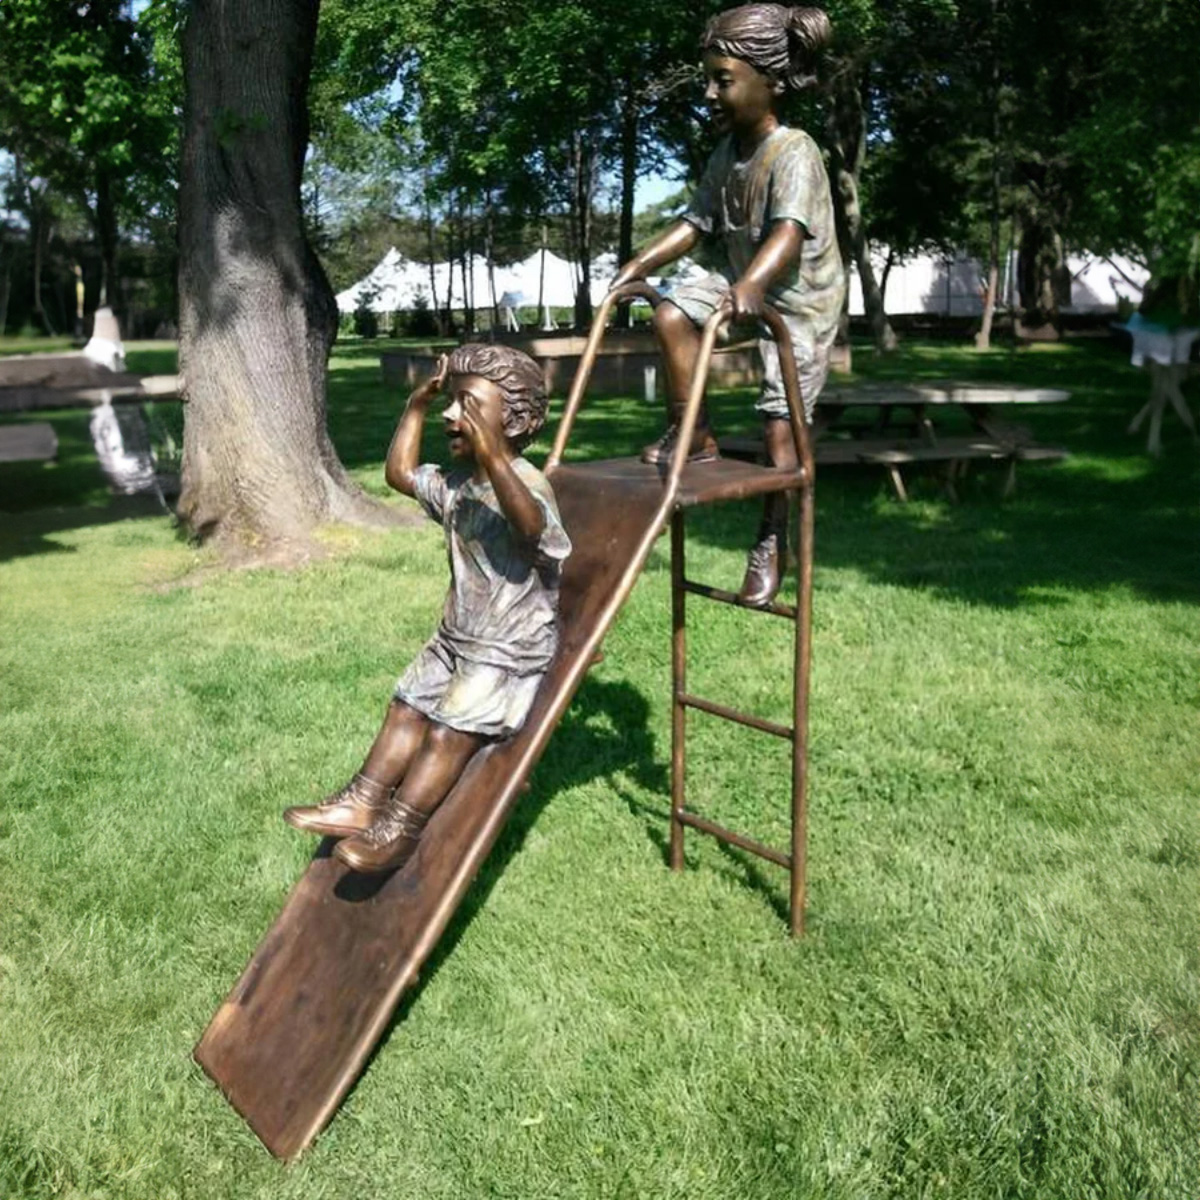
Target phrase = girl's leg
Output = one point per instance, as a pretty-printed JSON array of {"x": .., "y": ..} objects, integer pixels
[
  {"x": 432, "y": 772},
  {"x": 768, "y": 556},
  {"x": 679, "y": 342},
  {"x": 355, "y": 806}
]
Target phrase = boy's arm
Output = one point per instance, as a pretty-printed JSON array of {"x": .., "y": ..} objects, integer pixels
[
  {"x": 667, "y": 247},
  {"x": 516, "y": 501},
  {"x": 779, "y": 251},
  {"x": 406, "y": 442}
]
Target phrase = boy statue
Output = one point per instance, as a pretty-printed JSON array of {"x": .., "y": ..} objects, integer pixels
[{"x": 475, "y": 679}]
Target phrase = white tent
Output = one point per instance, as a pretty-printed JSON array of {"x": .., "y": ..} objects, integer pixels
[
  {"x": 392, "y": 285},
  {"x": 928, "y": 283},
  {"x": 396, "y": 281}
]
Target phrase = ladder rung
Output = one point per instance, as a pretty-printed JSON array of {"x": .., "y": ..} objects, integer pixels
[
  {"x": 732, "y": 714},
  {"x": 724, "y": 597},
  {"x": 736, "y": 839}
]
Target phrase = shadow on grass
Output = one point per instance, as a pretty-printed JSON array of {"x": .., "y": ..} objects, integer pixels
[
  {"x": 1076, "y": 526},
  {"x": 605, "y": 730},
  {"x": 41, "y": 499},
  {"x": 34, "y": 532}
]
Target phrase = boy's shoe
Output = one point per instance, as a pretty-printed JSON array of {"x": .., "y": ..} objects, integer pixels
[
  {"x": 764, "y": 569},
  {"x": 352, "y": 809},
  {"x": 704, "y": 446},
  {"x": 388, "y": 844}
]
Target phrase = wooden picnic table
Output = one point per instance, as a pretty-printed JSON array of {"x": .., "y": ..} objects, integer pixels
[
  {"x": 922, "y": 437},
  {"x": 907, "y": 427}
]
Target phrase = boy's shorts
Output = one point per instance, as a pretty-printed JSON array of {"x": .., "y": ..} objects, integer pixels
[
  {"x": 468, "y": 696},
  {"x": 701, "y": 298}
]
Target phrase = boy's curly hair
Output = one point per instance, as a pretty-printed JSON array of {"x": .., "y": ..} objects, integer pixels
[{"x": 517, "y": 376}]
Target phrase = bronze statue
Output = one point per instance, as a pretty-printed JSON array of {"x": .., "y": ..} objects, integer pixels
[
  {"x": 475, "y": 680},
  {"x": 763, "y": 205}
]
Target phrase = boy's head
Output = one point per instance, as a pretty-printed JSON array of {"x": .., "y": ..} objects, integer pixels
[
  {"x": 520, "y": 382},
  {"x": 783, "y": 43}
]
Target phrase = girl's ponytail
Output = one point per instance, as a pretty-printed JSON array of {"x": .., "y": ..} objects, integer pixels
[{"x": 809, "y": 32}]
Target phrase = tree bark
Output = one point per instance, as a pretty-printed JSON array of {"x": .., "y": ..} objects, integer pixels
[
  {"x": 5, "y": 286},
  {"x": 848, "y": 149},
  {"x": 629, "y": 174},
  {"x": 40, "y": 220},
  {"x": 983, "y": 339},
  {"x": 105, "y": 218},
  {"x": 583, "y": 193},
  {"x": 257, "y": 314},
  {"x": 1039, "y": 260}
]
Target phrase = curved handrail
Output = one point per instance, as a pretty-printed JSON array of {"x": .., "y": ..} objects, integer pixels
[
  {"x": 712, "y": 327},
  {"x": 627, "y": 291}
]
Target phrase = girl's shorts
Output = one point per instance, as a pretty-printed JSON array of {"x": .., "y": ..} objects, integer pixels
[{"x": 701, "y": 298}]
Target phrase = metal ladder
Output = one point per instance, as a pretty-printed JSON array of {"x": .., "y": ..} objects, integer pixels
[{"x": 689, "y": 485}]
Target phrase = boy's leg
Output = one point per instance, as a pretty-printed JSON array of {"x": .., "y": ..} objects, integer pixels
[
  {"x": 432, "y": 772},
  {"x": 768, "y": 555},
  {"x": 356, "y": 805},
  {"x": 679, "y": 341}
]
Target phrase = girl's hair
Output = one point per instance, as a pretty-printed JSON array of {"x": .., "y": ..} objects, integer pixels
[
  {"x": 516, "y": 375},
  {"x": 784, "y": 43}
]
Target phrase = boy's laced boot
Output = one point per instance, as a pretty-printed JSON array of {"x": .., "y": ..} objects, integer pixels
[
  {"x": 351, "y": 809},
  {"x": 388, "y": 844},
  {"x": 765, "y": 566},
  {"x": 703, "y": 447}
]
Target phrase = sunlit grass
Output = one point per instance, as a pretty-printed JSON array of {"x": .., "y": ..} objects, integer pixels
[{"x": 998, "y": 994}]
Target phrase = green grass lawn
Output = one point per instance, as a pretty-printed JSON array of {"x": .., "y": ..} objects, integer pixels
[{"x": 998, "y": 995}]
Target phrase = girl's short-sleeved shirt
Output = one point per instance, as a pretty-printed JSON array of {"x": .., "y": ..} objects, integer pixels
[
  {"x": 503, "y": 601},
  {"x": 783, "y": 180}
]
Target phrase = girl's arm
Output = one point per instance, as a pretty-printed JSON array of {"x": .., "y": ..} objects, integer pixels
[
  {"x": 667, "y": 247},
  {"x": 493, "y": 454},
  {"x": 779, "y": 251},
  {"x": 406, "y": 442}
]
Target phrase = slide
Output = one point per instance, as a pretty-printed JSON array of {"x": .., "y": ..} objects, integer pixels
[{"x": 293, "y": 1035}]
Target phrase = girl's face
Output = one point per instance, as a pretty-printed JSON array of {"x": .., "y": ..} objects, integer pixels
[{"x": 740, "y": 98}]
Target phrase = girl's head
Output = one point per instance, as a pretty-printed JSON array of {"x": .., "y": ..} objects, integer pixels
[
  {"x": 782, "y": 43},
  {"x": 518, "y": 379}
]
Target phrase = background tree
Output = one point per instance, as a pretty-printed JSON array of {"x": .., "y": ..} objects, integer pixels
[{"x": 80, "y": 110}]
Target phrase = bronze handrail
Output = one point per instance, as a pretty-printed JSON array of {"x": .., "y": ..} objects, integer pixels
[
  {"x": 712, "y": 327},
  {"x": 587, "y": 360}
]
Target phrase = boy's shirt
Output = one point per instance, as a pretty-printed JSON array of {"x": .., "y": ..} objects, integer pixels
[{"x": 502, "y": 606}]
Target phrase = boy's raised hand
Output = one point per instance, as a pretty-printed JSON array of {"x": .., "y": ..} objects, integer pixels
[{"x": 427, "y": 389}]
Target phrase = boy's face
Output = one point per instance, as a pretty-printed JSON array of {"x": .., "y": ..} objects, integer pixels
[
  {"x": 491, "y": 408},
  {"x": 739, "y": 97}
]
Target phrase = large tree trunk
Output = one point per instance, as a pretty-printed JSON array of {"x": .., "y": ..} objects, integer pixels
[
  {"x": 257, "y": 315},
  {"x": 848, "y": 149}
]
